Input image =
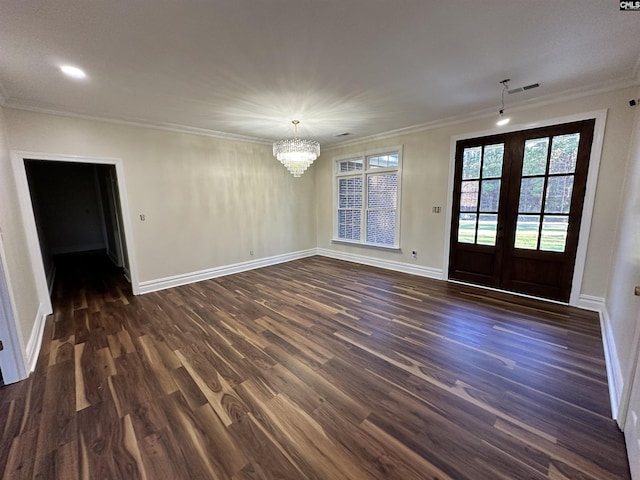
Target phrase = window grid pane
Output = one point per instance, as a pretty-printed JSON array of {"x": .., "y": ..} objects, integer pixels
[
  {"x": 559, "y": 191},
  {"x": 469, "y": 196},
  {"x": 351, "y": 165},
  {"x": 527, "y": 232},
  {"x": 471, "y": 159},
  {"x": 564, "y": 153},
  {"x": 382, "y": 191},
  {"x": 492, "y": 163},
  {"x": 490, "y": 196},
  {"x": 531, "y": 190},
  {"x": 349, "y": 224},
  {"x": 487, "y": 229},
  {"x": 467, "y": 228},
  {"x": 554, "y": 233},
  {"x": 381, "y": 227},
  {"x": 350, "y": 192},
  {"x": 535, "y": 157},
  {"x": 384, "y": 161}
]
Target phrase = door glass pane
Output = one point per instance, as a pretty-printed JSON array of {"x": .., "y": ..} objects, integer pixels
[
  {"x": 527, "y": 231},
  {"x": 564, "y": 153},
  {"x": 559, "y": 192},
  {"x": 467, "y": 228},
  {"x": 554, "y": 233},
  {"x": 535, "y": 156},
  {"x": 490, "y": 196},
  {"x": 471, "y": 163},
  {"x": 492, "y": 165},
  {"x": 487, "y": 229},
  {"x": 469, "y": 196},
  {"x": 531, "y": 195}
]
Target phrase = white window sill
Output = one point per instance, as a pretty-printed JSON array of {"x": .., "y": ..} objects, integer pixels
[{"x": 375, "y": 246}]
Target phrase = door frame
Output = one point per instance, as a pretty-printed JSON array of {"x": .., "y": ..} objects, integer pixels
[
  {"x": 600, "y": 116},
  {"x": 18, "y": 158},
  {"x": 12, "y": 359}
]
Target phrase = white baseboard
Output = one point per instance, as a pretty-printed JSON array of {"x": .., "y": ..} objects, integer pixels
[
  {"x": 35, "y": 340},
  {"x": 615, "y": 379},
  {"x": 388, "y": 264},
  {"x": 590, "y": 302},
  {"x": 177, "y": 280},
  {"x": 614, "y": 372}
]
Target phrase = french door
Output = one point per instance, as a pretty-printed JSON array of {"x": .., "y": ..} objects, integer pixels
[{"x": 517, "y": 205}]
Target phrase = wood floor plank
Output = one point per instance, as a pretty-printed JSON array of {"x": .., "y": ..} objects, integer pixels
[{"x": 312, "y": 369}]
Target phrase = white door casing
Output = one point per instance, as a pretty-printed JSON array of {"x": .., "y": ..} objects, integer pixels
[{"x": 12, "y": 360}]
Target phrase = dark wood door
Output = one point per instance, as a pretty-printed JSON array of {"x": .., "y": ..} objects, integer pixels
[{"x": 517, "y": 207}]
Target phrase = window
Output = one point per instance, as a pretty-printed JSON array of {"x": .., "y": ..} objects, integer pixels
[
  {"x": 546, "y": 190},
  {"x": 480, "y": 194},
  {"x": 367, "y": 198}
]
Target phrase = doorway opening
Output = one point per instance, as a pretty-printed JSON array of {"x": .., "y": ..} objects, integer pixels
[
  {"x": 77, "y": 212},
  {"x": 20, "y": 159},
  {"x": 517, "y": 208}
]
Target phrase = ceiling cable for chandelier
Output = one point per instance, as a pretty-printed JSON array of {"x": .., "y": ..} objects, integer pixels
[{"x": 502, "y": 120}]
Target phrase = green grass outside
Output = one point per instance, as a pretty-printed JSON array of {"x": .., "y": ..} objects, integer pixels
[{"x": 553, "y": 235}]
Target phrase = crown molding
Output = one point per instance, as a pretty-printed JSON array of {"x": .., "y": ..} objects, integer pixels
[
  {"x": 164, "y": 126},
  {"x": 565, "y": 95},
  {"x": 571, "y": 94}
]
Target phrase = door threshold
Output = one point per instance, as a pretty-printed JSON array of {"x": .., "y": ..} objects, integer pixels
[{"x": 508, "y": 292}]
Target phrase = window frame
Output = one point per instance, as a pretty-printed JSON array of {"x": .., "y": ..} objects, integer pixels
[{"x": 364, "y": 174}]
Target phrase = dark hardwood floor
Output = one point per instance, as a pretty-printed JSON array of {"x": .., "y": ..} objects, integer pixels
[{"x": 313, "y": 369}]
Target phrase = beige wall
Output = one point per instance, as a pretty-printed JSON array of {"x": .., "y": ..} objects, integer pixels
[
  {"x": 426, "y": 175},
  {"x": 622, "y": 306},
  {"x": 18, "y": 267},
  {"x": 207, "y": 202}
]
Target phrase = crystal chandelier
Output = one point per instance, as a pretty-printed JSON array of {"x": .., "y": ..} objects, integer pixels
[{"x": 296, "y": 154}]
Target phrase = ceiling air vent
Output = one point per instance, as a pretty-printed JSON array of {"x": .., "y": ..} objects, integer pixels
[{"x": 523, "y": 89}]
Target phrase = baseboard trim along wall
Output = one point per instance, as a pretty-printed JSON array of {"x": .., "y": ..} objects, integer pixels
[
  {"x": 184, "y": 279},
  {"x": 35, "y": 339},
  {"x": 429, "y": 272},
  {"x": 615, "y": 378},
  {"x": 590, "y": 302}
]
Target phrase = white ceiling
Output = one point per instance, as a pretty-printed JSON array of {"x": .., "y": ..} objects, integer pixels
[{"x": 249, "y": 67}]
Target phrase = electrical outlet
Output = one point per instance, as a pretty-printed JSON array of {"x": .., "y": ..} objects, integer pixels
[
  {"x": 436, "y": 209},
  {"x": 251, "y": 252}
]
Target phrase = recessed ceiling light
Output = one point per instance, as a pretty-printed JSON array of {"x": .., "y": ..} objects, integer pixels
[{"x": 73, "y": 72}]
